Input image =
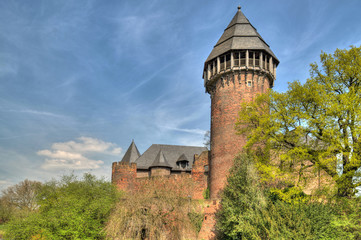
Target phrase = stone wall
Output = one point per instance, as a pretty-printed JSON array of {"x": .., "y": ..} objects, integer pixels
[
  {"x": 227, "y": 94},
  {"x": 123, "y": 175}
]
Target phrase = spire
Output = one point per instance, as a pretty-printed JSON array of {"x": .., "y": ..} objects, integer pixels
[
  {"x": 132, "y": 154},
  {"x": 240, "y": 35},
  {"x": 160, "y": 161}
]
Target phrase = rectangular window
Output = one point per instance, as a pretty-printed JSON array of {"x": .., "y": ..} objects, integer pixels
[
  {"x": 228, "y": 61},
  {"x": 236, "y": 59},
  {"x": 250, "y": 58},
  {"x": 257, "y": 59},
  {"x": 243, "y": 58},
  {"x": 222, "y": 63},
  {"x": 249, "y": 83}
]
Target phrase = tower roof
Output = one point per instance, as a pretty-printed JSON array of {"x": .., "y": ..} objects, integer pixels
[
  {"x": 160, "y": 161},
  {"x": 132, "y": 154},
  {"x": 240, "y": 35}
]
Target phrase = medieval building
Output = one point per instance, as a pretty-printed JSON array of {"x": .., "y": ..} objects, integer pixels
[{"x": 240, "y": 66}]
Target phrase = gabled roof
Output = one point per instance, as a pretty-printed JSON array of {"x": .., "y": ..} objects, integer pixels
[
  {"x": 171, "y": 152},
  {"x": 240, "y": 35},
  {"x": 132, "y": 154},
  {"x": 182, "y": 158},
  {"x": 160, "y": 161}
]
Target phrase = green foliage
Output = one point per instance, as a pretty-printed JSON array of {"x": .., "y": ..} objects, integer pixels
[
  {"x": 242, "y": 213},
  {"x": 19, "y": 200},
  {"x": 315, "y": 124},
  {"x": 291, "y": 195},
  {"x": 196, "y": 220},
  {"x": 69, "y": 209},
  {"x": 251, "y": 211},
  {"x": 206, "y": 193}
]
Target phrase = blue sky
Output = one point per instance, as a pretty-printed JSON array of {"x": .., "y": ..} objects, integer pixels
[{"x": 80, "y": 79}]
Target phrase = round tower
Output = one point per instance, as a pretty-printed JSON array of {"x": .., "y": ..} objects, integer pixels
[{"x": 240, "y": 66}]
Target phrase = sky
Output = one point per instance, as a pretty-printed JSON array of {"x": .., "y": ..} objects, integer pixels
[{"x": 80, "y": 79}]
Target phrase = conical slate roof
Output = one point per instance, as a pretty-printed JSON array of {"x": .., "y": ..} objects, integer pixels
[
  {"x": 240, "y": 35},
  {"x": 160, "y": 161},
  {"x": 132, "y": 154}
]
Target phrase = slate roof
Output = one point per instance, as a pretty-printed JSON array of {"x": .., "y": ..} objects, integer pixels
[
  {"x": 171, "y": 153},
  {"x": 240, "y": 35},
  {"x": 132, "y": 154},
  {"x": 160, "y": 161}
]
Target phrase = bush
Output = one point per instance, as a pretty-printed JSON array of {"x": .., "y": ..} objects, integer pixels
[{"x": 69, "y": 209}]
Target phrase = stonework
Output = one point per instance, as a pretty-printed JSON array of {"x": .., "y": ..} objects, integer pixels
[
  {"x": 226, "y": 98},
  {"x": 240, "y": 66}
]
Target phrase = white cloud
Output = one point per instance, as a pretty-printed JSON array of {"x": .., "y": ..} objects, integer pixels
[
  {"x": 72, "y": 154},
  {"x": 86, "y": 144}
]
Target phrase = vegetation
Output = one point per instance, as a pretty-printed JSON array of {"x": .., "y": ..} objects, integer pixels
[
  {"x": 312, "y": 125},
  {"x": 67, "y": 209},
  {"x": 19, "y": 200},
  {"x": 251, "y": 211},
  {"x": 154, "y": 212}
]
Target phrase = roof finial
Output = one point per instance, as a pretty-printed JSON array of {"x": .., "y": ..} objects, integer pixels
[{"x": 239, "y": 7}]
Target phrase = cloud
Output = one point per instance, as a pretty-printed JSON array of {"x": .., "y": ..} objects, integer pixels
[{"x": 73, "y": 154}]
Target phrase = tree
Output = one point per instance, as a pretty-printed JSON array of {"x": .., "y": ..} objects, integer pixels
[
  {"x": 68, "y": 209},
  {"x": 316, "y": 124},
  {"x": 19, "y": 199}
]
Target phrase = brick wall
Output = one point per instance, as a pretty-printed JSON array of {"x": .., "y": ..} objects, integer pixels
[
  {"x": 199, "y": 175},
  {"x": 226, "y": 96},
  {"x": 159, "y": 171},
  {"x": 123, "y": 175}
]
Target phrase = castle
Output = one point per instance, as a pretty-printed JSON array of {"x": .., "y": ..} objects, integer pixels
[{"x": 240, "y": 66}]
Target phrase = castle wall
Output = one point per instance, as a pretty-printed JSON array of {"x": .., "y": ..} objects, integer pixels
[
  {"x": 227, "y": 94},
  {"x": 199, "y": 175},
  {"x": 123, "y": 175},
  {"x": 155, "y": 171}
]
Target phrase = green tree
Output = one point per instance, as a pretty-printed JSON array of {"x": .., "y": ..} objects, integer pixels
[
  {"x": 68, "y": 209},
  {"x": 316, "y": 124},
  {"x": 242, "y": 214}
]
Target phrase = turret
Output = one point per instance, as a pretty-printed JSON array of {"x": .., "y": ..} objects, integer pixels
[{"x": 240, "y": 66}]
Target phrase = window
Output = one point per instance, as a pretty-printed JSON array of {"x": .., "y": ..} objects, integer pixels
[
  {"x": 243, "y": 58},
  {"x": 228, "y": 61},
  {"x": 222, "y": 62},
  {"x": 250, "y": 58},
  {"x": 183, "y": 164},
  {"x": 249, "y": 83},
  {"x": 236, "y": 59},
  {"x": 256, "y": 59}
]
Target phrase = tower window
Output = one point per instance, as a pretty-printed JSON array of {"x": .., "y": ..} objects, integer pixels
[
  {"x": 222, "y": 63},
  {"x": 236, "y": 59},
  {"x": 250, "y": 59},
  {"x": 243, "y": 58},
  {"x": 256, "y": 59},
  {"x": 249, "y": 83},
  {"x": 228, "y": 61}
]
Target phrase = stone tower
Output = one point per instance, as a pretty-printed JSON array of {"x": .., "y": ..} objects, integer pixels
[{"x": 240, "y": 66}]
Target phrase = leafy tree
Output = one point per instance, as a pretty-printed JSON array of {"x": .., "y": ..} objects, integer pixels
[
  {"x": 316, "y": 124},
  {"x": 68, "y": 209},
  {"x": 19, "y": 200},
  {"x": 242, "y": 214}
]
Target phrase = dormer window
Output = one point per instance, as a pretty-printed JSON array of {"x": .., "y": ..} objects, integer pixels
[{"x": 183, "y": 164}]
